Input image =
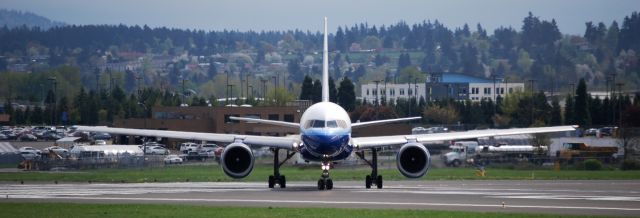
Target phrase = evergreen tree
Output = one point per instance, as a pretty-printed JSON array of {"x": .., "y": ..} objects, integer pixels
[
  {"x": 556, "y": 113},
  {"x": 333, "y": 92},
  {"x": 306, "y": 91},
  {"x": 317, "y": 91},
  {"x": 569, "y": 110},
  {"x": 582, "y": 115},
  {"x": 347, "y": 95}
]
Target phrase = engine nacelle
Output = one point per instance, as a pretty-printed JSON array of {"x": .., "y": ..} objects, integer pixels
[
  {"x": 237, "y": 160},
  {"x": 413, "y": 160}
]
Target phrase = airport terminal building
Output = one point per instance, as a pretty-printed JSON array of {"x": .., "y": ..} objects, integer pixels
[{"x": 441, "y": 86}]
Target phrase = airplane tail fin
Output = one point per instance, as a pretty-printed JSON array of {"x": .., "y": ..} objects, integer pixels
[{"x": 325, "y": 66}]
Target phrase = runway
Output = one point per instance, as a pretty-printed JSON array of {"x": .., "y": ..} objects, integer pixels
[{"x": 610, "y": 198}]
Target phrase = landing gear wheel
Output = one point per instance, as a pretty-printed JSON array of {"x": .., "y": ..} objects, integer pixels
[
  {"x": 272, "y": 182},
  {"x": 379, "y": 182},
  {"x": 367, "y": 182},
  {"x": 329, "y": 184},
  {"x": 283, "y": 182},
  {"x": 321, "y": 184}
]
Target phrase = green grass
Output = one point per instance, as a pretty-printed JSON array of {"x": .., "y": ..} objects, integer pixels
[
  {"x": 139, "y": 210},
  {"x": 212, "y": 173}
]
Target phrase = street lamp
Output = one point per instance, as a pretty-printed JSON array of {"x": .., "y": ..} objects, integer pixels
[{"x": 53, "y": 108}]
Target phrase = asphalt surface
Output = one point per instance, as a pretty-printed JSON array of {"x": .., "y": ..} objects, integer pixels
[{"x": 609, "y": 198}]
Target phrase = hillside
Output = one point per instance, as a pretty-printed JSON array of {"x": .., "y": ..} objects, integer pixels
[{"x": 13, "y": 18}]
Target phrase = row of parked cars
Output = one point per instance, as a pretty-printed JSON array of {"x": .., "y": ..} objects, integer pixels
[
  {"x": 32, "y": 133},
  {"x": 601, "y": 132}
]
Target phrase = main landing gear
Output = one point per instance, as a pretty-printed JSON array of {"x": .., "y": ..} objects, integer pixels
[
  {"x": 373, "y": 178},
  {"x": 276, "y": 178},
  {"x": 325, "y": 182}
]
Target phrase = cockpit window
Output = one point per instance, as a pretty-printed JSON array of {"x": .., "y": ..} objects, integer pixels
[
  {"x": 328, "y": 124},
  {"x": 318, "y": 124}
]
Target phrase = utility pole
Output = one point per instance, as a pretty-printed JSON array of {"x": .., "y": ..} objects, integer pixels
[
  {"x": 53, "y": 107},
  {"x": 264, "y": 88},
  {"x": 620, "y": 104},
  {"x": 275, "y": 87},
  {"x": 532, "y": 97},
  {"x": 138, "y": 85},
  {"x": 227, "y": 87},
  {"x": 247, "y": 85},
  {"x": 376, "y": 92},
  {"x": 230, "y": 88},
  {"x": 183, "y": 91}
]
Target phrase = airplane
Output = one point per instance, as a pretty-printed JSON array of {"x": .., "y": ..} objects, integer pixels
[{"x": 325, "y": 137}]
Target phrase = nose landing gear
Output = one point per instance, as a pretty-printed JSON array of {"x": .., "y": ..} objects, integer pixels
[{"x": 325, "y": 182}]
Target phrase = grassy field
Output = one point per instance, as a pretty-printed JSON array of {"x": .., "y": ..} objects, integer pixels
[
  {"x": 213, "y": 173},
  {"x": 140, "y": 210}
]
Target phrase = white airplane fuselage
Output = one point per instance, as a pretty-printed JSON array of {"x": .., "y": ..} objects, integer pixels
[{"x": 325, "y": 131}]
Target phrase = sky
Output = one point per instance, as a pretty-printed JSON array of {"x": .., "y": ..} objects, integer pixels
[{"x": 259, "y": 15}]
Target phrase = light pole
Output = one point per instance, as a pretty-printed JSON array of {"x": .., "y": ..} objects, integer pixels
[
  {"x": 183, "y": 93},
  {"x": 275, "y": 87},
  {"x": 53, "y": 107},
  {"x": 376, "y": 91},
  {"x": 264, "y": 88},
  {"x": 230, "y": 88}
]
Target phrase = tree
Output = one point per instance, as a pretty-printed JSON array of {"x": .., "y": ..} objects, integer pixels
[
  {"x": 317, "y": 92},
  {"x": 569, "y": 110},
  {"x": 213, "y": 70},
  {"x": 347, "y": 95},
  {"x": 341, "y": 44},
  {"x": 306, "y": 91},
  {"x": 441, "y": 115},
  {"x": 556, "y": 113},
  {"x": 582, "y": 114},
  {"x": 404, "y": 61},
  {"x": 333, "y": 92}
]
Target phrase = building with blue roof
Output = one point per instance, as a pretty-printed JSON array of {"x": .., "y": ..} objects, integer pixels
[{"x": 442, "y": 86}]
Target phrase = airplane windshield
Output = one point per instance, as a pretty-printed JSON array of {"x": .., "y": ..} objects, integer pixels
[
  {"x": 332, "y": 124},
  {"x": 318, "y": 124}
]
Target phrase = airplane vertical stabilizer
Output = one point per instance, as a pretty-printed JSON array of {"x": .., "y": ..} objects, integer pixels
[{"x": 325, "y": 66}]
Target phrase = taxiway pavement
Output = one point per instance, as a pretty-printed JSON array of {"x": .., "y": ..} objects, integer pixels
[{"x": 602, "y": 197}]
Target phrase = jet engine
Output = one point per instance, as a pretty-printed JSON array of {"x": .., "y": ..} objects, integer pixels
[
  {"x": 413, "y": 160},
  {"x": 237, "y": 160}
]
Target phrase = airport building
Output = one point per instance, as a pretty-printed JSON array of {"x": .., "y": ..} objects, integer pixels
[{"x": 441, "y": 86}]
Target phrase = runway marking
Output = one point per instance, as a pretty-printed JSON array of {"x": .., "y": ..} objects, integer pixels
[{"x": 332, "y": 202}]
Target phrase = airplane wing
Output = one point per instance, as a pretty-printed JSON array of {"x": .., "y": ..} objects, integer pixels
[
  {"x": 379, "y": 141},
  {"x": 379, "y": 122},
  {"x": 269, "y": 141},
  {"x": 272, "y": 122}
]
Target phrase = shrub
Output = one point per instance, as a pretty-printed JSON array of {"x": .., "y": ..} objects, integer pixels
[
  {"x": 630, "y": 165},
  {"x": 592, "y": 164}
]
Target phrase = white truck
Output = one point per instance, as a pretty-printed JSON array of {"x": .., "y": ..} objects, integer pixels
[{"x": 470, "y": 151}]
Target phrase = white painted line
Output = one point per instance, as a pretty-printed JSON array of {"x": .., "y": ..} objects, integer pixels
[{"x": 328, "y": 202}]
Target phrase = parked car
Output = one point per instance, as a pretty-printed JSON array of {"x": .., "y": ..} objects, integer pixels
[
  {"x": 51, "y": 135},
  {"x": 607, "y": 131},
  {"x": 101, "y": 136},
  {"x": 29, "y": 155},
  {"x": 187, "y": 147},
  {"x": 57, "y": 149},
  {"x": 155, "y": 150},
  {"x": 10, "y": 134},
  {"x": 30, "y": 149},
  {"x": 27, "y": 137},
  {"x": 591, "y": 132},
  {"x": 3, "y": 137},
  {"x": 173, "y": 159}
]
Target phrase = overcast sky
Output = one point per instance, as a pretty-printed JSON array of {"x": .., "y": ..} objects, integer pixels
[{"x": 307, "y": 15}]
